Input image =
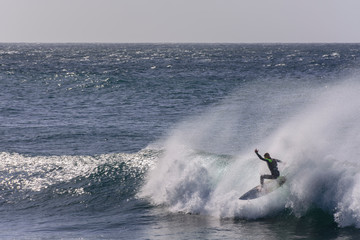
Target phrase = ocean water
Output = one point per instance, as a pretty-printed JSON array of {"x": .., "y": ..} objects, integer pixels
[{"x": 156, "y": 141}]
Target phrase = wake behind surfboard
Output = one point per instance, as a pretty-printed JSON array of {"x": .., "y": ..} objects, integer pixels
[{"x": 267, "y": 188}]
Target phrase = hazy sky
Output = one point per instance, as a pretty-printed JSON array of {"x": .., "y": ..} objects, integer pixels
[{"x": 237, "y": 21}]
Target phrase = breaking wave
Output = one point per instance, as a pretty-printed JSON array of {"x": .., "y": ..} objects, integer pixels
[{"x": 314, "y": 131}]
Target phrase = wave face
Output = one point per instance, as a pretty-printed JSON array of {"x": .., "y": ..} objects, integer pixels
[
  {"x": 69, "y": 194},
  {"x": 318, "y": 142}
]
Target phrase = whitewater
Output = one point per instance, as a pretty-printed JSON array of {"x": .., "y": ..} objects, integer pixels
[{"x": 318, "y": 143}]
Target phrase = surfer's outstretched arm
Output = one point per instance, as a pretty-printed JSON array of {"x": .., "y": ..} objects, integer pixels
[{"x": 257, "y": 153}]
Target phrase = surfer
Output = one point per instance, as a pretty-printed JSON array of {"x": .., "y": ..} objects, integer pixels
[{"x": 272, "y": 164}]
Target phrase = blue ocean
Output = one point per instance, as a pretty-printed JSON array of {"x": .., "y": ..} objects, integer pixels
[{"x": 156, "y": 141}]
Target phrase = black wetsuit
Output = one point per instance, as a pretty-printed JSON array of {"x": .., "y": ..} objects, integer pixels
[{"x": 272, "y": 164}]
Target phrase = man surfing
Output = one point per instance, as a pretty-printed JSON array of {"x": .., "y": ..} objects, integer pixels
[{"x": 272, "y": 164}]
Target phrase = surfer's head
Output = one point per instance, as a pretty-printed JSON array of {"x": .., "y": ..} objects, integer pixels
[{"x": 267, "y": 155}]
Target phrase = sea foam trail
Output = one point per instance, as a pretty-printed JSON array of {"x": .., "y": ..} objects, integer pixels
[{"x": 319, "y": 144}]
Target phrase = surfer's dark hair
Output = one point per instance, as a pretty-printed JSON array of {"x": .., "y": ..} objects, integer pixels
[{"x": 267, "y": 155}]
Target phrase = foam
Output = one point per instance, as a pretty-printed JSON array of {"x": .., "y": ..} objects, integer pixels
[{"x": 319, "y": 143}]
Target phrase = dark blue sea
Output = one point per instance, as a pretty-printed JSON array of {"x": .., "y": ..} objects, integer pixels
[{"x": 156, "y": 141}]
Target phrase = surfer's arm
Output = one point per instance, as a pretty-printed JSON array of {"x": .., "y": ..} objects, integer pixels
[{"x": 259, "y": 156}]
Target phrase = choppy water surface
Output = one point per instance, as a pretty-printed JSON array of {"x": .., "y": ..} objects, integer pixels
[{"x": 155, "y": 141}]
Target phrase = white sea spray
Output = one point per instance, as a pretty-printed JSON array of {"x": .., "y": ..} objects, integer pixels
[{"x": 317, "y": 142}]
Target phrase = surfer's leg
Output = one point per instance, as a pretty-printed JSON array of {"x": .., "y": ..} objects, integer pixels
[{"x": 266, "y": 177}]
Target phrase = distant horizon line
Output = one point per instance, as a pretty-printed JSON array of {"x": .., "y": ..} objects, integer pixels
[{"x": 159, "y": 43}]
